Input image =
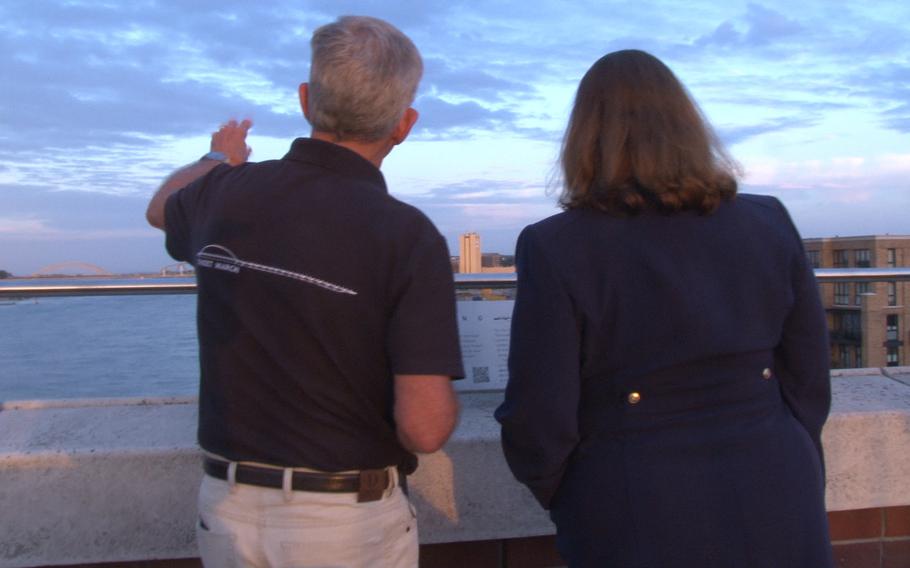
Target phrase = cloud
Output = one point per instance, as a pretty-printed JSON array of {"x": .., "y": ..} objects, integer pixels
[
  {"x": 898, "y": 119},
  {"x": 444, "y": 77},
  {"x": 49, "y": 211},
  {"x": 731, "y": 135},
  {"x": 440, "y": 118},
  {"x": 41, "y": 226},
  {"x": 483, "y": 191},
  {"x": 100, "y": 75},
  {"x": 766, "y": 25},
  {"x": 107, "y": 97},
  {"x": 825, "y": 212},
  {"x": 889, "y": 85},
  {"x": 88, "y": 73},
  {"x": 760, "y": 26},
  {"x": 22, "y": 227},
  {"x": 114, "y": 169},
  {"x": 858, "y": 174},
  {"x": 498, "y": 209}
]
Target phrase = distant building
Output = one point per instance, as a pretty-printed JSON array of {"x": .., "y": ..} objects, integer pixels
[
  {"x": 472, "y": 261},
  {"x": 867, "y": 320},
  {"x": 469, "y": 253},
  {"x": 496, "y": 260}
]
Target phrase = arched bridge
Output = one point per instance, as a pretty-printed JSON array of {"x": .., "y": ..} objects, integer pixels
[
  {"x": 72, "y": 267},
  {"x": 179, "y": 268}
]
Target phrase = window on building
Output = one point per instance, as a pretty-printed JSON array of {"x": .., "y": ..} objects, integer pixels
[
  {"x": 863, "y": 258},
  {"x": 842, "y": 293},
  {"x": 892, "y": 257},
  {"x": 853, "y": 325},
  {"x": 892, "y": 356},
  {"x": 859, "y": 289},
  {"x": 892, "y": 293},
  {"x": 892, "y": 329},
  {"x": 844, "y": 356},
  {"x": 815, "y": 258},
  {"x": 840, "y": 258},
  {"x": 859, "y": 356},
  {"x": 846, "y": 325}
]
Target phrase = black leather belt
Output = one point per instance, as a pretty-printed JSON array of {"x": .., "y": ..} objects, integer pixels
[{"x": 368, "y": 484}]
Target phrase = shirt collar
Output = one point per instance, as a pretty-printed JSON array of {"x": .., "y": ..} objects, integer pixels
[{"x": 336, "y": 158}]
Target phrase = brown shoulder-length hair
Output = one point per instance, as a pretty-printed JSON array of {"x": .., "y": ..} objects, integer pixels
[{"x": 636, "y": 141}]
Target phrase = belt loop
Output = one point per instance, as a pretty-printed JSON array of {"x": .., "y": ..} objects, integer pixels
[
  {"x": 393, "y": 479},
  {"x": 232, "y": 476},
  {"x": 287, "y": 484}
]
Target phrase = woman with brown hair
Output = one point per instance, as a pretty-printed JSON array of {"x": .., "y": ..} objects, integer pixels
[{"x": 669, "y": 361}]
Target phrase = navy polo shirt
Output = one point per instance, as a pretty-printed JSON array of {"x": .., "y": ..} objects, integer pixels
[{"x": 315, "y": 287}]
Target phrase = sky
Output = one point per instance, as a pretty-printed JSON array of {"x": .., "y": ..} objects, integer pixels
[{"x": 100, "y": 100}]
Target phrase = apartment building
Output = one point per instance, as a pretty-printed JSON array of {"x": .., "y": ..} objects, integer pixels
[
  {"x": 868, "y": 321},
  {"x": 469, "y": 253},
  {"x": 472, "y": 261}
]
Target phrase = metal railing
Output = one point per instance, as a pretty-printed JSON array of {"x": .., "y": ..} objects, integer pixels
[
  {"x": 890, "y": 274},
  {"x": 35, "y": 291},
  {"x": 462, "y": 281}
]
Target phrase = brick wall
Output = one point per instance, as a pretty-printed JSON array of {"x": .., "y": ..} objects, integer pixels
[
  {"x": 531, "y": 552},
  {"x": 865, "y": 538},
  {"x": 871, "y": 538}
]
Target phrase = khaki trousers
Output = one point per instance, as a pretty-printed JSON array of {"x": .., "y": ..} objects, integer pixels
[{"x": 245, "y": 526}]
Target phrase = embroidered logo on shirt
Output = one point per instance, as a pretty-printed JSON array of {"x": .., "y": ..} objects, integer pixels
[{"x": 221, "y": 258}]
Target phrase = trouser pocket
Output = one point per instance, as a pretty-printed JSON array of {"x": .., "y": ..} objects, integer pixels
[{"x": 216, "y": 550}]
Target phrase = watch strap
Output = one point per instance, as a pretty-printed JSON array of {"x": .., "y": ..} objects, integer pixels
[{"x": 214, "y": 155}]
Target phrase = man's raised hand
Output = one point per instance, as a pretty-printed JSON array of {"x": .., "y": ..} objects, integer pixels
[{"x": 230, "y": 140}]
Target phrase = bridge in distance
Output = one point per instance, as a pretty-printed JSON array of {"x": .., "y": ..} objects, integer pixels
[{"x": 78, "y": 268}]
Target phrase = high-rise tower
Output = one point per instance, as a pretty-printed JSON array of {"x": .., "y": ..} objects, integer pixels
[{"x": 469, "y": 251}]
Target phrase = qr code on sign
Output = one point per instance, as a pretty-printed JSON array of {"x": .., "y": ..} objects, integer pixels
[{"x": 481, "y": 374}]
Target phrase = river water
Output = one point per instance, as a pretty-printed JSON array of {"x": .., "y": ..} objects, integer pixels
[
  {"x": 106, "y": 346},
  {"x": 145, "y": 346}
]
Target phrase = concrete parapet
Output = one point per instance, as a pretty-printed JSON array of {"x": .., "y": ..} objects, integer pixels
[
  {"x": 115, "y": 480},
  {"x": 867, "y": 439}
]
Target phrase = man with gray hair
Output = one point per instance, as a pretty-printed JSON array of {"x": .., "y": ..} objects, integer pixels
[{"x": 326, "y": 317}]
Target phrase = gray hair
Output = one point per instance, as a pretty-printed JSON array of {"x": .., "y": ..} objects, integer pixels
[{"x": 363, "y": 77}]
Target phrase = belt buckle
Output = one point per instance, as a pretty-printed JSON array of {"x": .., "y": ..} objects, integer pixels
[{"x": 373, "y": 484}]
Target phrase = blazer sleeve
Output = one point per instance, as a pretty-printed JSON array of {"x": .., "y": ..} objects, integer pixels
[
  {"x": 539, "y": 416},
  {"x": 802, "y": 358}
]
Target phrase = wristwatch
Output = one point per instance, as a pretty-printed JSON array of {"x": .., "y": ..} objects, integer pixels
[{"x": 213, "y": 155}]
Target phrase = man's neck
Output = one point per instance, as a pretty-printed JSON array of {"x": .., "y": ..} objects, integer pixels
[{"x": 375, "y": 152}]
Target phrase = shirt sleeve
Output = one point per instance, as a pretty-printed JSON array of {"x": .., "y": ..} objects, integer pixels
[
  {"x": 423, "y": 331},
  {"x": 539, "y": 416},
  {"x": 802, "y": 356},
  {"x": 181, "y": 212}
]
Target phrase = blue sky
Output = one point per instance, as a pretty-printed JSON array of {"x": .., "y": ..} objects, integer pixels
[{"x": 101, "y": 99}]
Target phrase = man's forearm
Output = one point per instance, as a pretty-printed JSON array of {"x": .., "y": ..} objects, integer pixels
[
  {"x": 426, "y": 411},
  {"x": 175, "y": 181},
  {"x": 229, "y": 140}
]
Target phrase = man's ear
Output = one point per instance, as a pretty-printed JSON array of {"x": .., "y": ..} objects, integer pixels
[
  {"x": 403, "y": 128},
  {"x": 303, "y": 92}
]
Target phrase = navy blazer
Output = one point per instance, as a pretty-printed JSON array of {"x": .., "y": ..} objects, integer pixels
[{"x": 638, "y": 342}]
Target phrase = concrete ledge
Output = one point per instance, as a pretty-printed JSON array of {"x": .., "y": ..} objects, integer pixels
[
  {"x": 466, "y": 491},
  {"x": 115, "y": 480},
  {"x": 867, "y": 439}
]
